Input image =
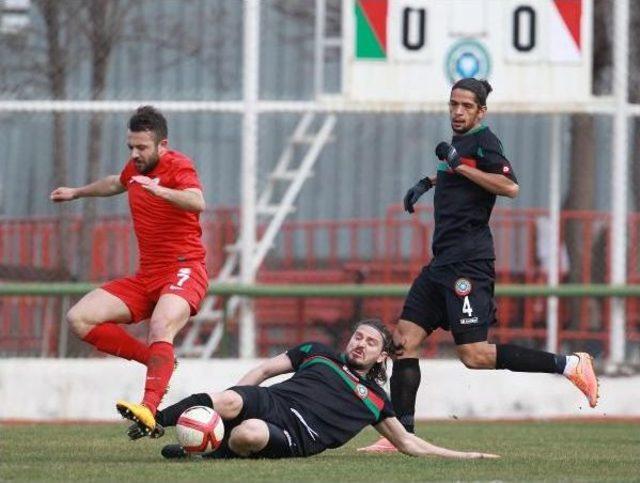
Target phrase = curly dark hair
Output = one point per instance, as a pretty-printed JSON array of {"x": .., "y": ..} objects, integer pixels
[
  {"x": 378, "y": 373},
  {"x": 148, "y": 118}
]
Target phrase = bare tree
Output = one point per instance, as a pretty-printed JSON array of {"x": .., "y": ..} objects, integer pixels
[
  {"x": 66, "y": 35},
  {"x": 208, "y": 38},
  {"x": 304, "y": 13},
  {"x": 102, "y": 22},
  {"x": 55, "y": 71}
]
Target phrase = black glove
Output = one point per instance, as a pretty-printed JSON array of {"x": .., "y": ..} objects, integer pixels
[
  {"x": 415, "y": 193},
  {"x": 446, "y": 152}
]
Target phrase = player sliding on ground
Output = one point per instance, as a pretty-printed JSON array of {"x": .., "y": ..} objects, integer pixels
[
  {"x": 165, "y": 197},
  {"x": 455, "y": 291},
  {"x": 329, "y": 399}
]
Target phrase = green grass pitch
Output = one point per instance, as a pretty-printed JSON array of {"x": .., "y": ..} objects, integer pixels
[{"x": 540, "y": 451}]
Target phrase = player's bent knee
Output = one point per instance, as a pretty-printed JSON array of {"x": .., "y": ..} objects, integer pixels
[
  {"x": 228, "y": 404},
  {"x": 470, "y": 361},
  {"x": 249, "y": 437},
  {"x": 78, "y": 323},
  {"x": 475, "y": 359}
]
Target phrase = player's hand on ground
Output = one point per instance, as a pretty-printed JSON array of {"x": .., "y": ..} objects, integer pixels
[
  {"x": 446, "y": 152},
  {"x": 63, "y": 194},
  {"x": 414, "y": 194},
  {"x": 478, "y": 456}
]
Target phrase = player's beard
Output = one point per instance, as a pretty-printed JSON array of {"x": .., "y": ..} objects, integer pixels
[
  {"x": 150, "y": 163},
  {"x": 357, "y": 365}
]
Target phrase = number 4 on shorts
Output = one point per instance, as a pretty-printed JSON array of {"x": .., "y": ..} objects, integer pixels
[{"x": 466, "y": 307}]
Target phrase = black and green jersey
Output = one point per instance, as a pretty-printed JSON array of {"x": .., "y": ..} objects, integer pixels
[
  {"x": 331, "y": 400},
  {"x": 462, "y": 208}
]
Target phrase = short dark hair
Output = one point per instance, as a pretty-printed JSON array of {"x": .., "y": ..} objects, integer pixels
[
  {"x": 378, "y": 373},
  {"x": 480, "y": 88},
  {"x": 148, "y": 118}
]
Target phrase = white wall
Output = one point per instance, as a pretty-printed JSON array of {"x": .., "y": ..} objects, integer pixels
[{"x": 81, "y": 389}]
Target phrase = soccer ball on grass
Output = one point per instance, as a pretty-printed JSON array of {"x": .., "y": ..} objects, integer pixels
[{"x": 200, "y": 430}]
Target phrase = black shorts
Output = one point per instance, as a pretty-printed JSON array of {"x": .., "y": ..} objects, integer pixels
[
  {"x": 456, "y": 297},
  {"x": 294, "y": 439}
]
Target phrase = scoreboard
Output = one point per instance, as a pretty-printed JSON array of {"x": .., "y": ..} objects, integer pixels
[{"x": 531, "y": 51}]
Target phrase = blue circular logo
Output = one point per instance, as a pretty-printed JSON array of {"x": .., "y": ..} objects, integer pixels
[
  {"x": 467, "y": 58},
  {"x": 362, "y": 391},
  {"x": 462, "y": 287}
]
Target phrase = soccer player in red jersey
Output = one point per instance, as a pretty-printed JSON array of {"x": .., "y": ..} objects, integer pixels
[{"x": 165, "y": 198}]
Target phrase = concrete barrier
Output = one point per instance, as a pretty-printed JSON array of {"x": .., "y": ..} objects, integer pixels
[{"x": 86, "y": 390}]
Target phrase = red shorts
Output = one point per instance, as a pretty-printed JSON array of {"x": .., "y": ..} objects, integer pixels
[{"x": 141, "y": 292}]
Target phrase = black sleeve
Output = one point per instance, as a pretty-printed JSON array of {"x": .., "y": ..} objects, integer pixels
[
  {"x": 305, "y": 350},
  {"x": 492, "y": 158}
]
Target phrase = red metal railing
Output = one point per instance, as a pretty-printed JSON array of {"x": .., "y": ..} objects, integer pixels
[{"x": 387, "y": 250}]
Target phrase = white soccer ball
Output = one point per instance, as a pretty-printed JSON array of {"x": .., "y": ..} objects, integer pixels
[{"x": 200, "y": 430}]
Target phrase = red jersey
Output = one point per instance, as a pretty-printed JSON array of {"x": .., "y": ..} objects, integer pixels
[{"x": 166, "y": 234}]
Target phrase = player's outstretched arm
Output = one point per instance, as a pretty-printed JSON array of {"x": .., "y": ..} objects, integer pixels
[
  {"x": 411, "y": 445},
  {"x": 108, "y": 186},
  {"x": 275, "y": 366}
]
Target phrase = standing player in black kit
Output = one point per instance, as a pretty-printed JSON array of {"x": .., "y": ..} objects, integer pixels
[{"x": 455, "y": 291}]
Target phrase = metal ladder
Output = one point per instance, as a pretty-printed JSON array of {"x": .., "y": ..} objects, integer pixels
[{"x": 287, "y": 175}]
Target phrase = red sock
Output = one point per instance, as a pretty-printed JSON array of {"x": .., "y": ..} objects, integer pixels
[
  {"x": 113, "y": 339},
  {"x": 159, "y": 370}
]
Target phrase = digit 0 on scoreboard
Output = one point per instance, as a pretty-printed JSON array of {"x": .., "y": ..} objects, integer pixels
[
  {"x": 545, "y": 31},
  {"x": 532, "y": 51}
]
